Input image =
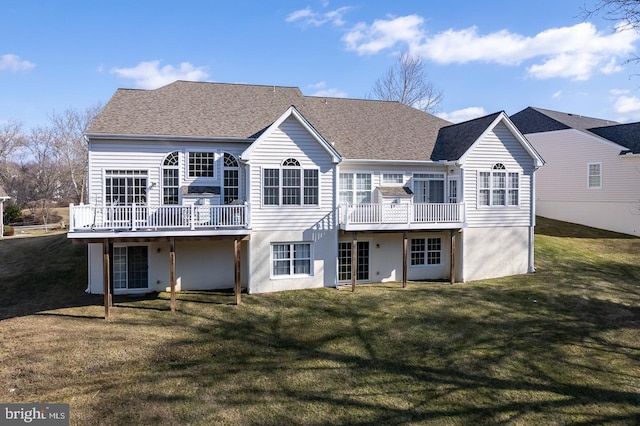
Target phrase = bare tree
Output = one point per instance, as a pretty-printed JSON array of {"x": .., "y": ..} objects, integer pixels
[
  {"x": 625, "y": 11},
  {"x": 406, "y": 82},
  {"x": 70, "y": 147},
  {"x": 41, "y": 175},
  {"x": 11, "y": 138}
]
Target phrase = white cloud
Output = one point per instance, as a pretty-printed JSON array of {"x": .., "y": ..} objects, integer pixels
[
  {"x": 309, "y": 17},
  {"x": 575, "y": 52},
  {"x": 149, "y": 75},
  {"x": 464, "y": 114},
  {"x": 383, "y": 34},
  {"x": 320, "y": 89},
  {"x": 628, "y": 107},
  {"x": 14, "y": 63},
  {"x": 557, "y": 95},
  {"x": 618, "y": 92}
]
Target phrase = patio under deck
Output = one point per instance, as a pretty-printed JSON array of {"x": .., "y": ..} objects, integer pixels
[{"x": 107, "y": 225}]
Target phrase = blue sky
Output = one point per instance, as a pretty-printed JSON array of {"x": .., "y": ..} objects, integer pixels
[{"x": 485, "y": 56}]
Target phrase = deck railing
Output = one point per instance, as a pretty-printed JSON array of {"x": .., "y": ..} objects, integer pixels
[
  {"x": 138, "y": 217},
  {"x": 401, "y": 213}
]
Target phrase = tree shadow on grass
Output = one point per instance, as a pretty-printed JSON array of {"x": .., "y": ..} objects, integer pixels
[{"x": 452, "y": 354}]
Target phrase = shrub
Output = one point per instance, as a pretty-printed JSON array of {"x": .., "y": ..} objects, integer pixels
[
  {"x": 8, "y": 231},
  {"x": 12, "y": 212}
]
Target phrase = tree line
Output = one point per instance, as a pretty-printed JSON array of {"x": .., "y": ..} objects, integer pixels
[{"x": 45, "y": 165}]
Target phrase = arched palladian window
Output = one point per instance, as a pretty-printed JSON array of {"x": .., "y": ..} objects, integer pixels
[
  {"x": 498, "y": 187},
  {"x": 170, "y": 179},
  {"x": 231, "y": 178}
]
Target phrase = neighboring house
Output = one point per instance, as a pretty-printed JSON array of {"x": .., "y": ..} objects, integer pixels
[
  {"x": 592, "y": 172},
  {"x": 3, "y": 197},
  {"x": 206, "y": 186}
]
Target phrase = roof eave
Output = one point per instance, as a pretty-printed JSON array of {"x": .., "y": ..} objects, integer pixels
[{"x": 138, "y": 137}]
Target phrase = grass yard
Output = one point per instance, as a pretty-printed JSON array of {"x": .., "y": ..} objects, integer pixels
[{"x": 561, "y": 346}]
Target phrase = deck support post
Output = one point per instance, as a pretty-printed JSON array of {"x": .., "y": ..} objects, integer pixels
[
  {"x": 452, "y": 268},
  {"x": 172, "y": 272},
  {"x": 106, "y": 276},
  {"x": 237, "y": 285},
  {"x": 354, "y": 260},
  {"x": 405, "y": 258}
]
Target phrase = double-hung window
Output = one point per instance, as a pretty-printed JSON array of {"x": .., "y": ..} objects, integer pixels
[
  {"x": 290, "y": 259},
  {"x": 426, "y": 251},
  {"x": 594, "y": 171},
  {"x": 498, "y": 187},
  {"x": 290, "y": 184},
  {"x": 355, "y": 188}
]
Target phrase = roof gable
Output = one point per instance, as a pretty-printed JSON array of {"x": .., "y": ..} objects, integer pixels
[
  {"x": 453, "y": 141},
  {"x": 457, "y": 141},
  {"x": 291, "y": 112}
]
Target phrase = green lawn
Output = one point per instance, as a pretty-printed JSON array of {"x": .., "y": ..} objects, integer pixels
[{"x": 561, "y": 346}]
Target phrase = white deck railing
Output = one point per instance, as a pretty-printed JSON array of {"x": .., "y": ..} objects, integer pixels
[
  {"x": 135, "y": 217},
  {"x": 395, "y": 213}
]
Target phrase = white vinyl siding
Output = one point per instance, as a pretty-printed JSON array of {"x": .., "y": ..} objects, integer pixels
[
  {"x": 292, "y": 140},
  {"x": 149, "y": 156},
  {"x": 568, "y": 153},
  {"x": 511, "y": 189}
]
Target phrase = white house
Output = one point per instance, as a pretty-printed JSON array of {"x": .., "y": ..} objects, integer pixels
[
  {"x": 209, "y": 186},
  {"x": 592, "y": 172}
]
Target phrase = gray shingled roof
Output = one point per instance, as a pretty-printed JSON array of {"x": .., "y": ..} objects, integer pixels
[
  {"x": 538, "y": 120},
  {"x": 358, "y": 128},
  {"x": 627, "y": 135},
  {"x": 453, "y": 141}
]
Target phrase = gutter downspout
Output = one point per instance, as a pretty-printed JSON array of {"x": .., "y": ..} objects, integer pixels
[{"x": 532, "y": 223}]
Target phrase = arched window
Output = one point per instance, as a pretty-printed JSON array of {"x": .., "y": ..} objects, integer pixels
[
  {"x": 499, "y": 187},
  {"x": 231, "y": 176},
  {"x": 291, "y": 181},
  {"x": 170, "y": 179},
  {"x": 291, "y": 162}
]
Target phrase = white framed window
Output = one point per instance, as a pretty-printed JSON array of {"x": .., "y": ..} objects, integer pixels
[
  {"x": 355, "y": 188},
  {"x": 392, "y": 178},
  {"x": 426, "y": 251},
  {"x": 170, "y": 179},
  {"x": 453, "y": 191},
  {"x": 130, "y": 267},
  {"x": 230, "y": 178},
  {"x": 428, "y": 187},
  {"x": 290, "y": 184},
  {"x": 345, "y": 268},
  {"x": 125, "y": 187},
  {"x": 201, "y": 164},
  {"x": 594, "y": 175},
  {"x": 291, "y": 259},
  {"x": 498, "y": 187}
]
